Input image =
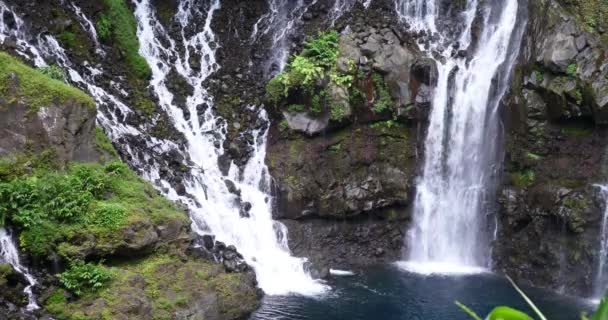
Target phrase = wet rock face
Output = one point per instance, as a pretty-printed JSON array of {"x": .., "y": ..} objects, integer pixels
[
  {"x": 12, "y": 299},
  {"x": 67, "y": 129},
  {"x": 348, "y": 244},
  {"x": 549, "y": 212},
  {"x": 348, "y": 173}
]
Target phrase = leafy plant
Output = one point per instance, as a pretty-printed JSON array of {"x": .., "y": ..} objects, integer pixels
[
  {"x": 304, "y": 72},
  {"x": 384, "y": 101},
  {"x": 296, "y": 108},
  {"x": 342, "y": 80},
  {"x": 315, "y": 104},
  {"x": 68, "y": 38},
  {"x": 84, "y": 277},
  {"x": 338, "y": 111},
  {"x": 54, "y": 72},
  {"x": 104, "y": 28},
  {"x": 124, "y": 33},
  {"x": 322, "y": 50},
  {"x": 109, "y": 215},
  {"x": 572, "y": 69}
]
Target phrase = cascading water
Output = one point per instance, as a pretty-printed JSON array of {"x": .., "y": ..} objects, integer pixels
[
  {"x": 9, "y": 254},
  {"x": 601, "y": 279},
  {"x": 450, "y": 210},
  {"x": 262, "y": 241},
  {"x": 214, "y": 209},
  {"x": 280, "y": 22},
  {"x": 342, "y": 6}
]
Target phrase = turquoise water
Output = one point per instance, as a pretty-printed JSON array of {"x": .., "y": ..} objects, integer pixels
[{"x": 388, "y": 293}]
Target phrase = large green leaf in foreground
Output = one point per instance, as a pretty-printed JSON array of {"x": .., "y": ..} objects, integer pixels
[{"x": 506, "y": 313}]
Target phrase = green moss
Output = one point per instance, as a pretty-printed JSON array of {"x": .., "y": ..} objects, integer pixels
[
  {"x": 593, "y": 14},
  {"x": 54, "y": 72},
  {"x": 104, "y": 144},
  {"x": 296, "y": 108},
  {"x": 384, "y": 101},
  {"x": 124, "y": 34},
  {"x": 523, "y": 179},
  {"x": 572, "y": 69},
  {"x": 37, "y": 89},
  {"x": 577, "y": 129},
  {"x": 338, "y": 111},
  {"x": 167, "y": 283},
  {"x": 104, "y": 28}
]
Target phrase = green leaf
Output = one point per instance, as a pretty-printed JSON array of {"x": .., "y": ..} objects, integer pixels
[
  {"x": 506, "y": 313},
  {"x": 602, "y": 311},
  {"x": 467, "y": 310},
  {"x": 528, "y": 300}
]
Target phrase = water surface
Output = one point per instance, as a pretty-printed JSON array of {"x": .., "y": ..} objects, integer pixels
[{"x": 388, "y": 293}]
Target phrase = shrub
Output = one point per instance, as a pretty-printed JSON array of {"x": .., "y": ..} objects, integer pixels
[
  {"x": 83, "y": 277},
  {"x": 124, "y": 33},
  {"x": 296, "y": 108},
  {"x": 104, "y": 28},
  {"x": 323, "y": 50},
  {"x": 384, "y": 101},
  {"x": 68, "y": 38},
  {"x": 306, "y": 70},
  {"x": 338, "y": 111},
  {"x": 109, "y": 215},
  {"x": 572, "y": 69},
  {"x": 54, "y": 72}
]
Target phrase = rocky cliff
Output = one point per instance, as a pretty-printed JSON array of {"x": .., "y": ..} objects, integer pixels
[
  {"x": 102, "y": 242},
  {"x": 344, "y": 145},
  {"x": 550, "y": 212}
]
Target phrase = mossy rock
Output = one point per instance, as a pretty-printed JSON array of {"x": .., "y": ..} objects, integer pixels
[
  {"x": 19, "y": 81},
  {"x": 162, "y": 287}
]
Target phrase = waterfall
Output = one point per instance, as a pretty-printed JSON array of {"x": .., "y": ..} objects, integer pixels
[
  {"x": 280, "y": 23},
  {"x": 457, "y": 182},
  {"x": 214, "y": 209},
  {"x": 10, "y": 255},
  {"x": 601, "y": 279}
]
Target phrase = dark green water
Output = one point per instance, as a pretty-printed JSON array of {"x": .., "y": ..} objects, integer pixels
[{"x": 387, "y": 293}]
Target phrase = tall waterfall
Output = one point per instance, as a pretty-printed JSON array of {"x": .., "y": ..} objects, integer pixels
[
  {"x": 601, "y": 279},
  {"x": 215, "y": 210},
  {"x": 9, "y": 254},
  {"x": 461, "y": 150},
  {"x": 262, "y": 241}
]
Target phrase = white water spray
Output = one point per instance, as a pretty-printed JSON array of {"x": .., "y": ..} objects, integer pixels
[
  {"x": 601, "y": 280},
  {"x": 214, "y": 210},
  {"x": 450, "y": 204},
  {"x": 9, "y": 254}
]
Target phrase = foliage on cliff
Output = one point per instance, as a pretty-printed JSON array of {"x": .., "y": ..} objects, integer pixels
[
  {"x": 313, "y": 83},
  {"x": 51, "y": 208},
  {"x": 119, "y": 25},
  {"x": 116, "y": 26},
  {"x": 36, "y": 87}
]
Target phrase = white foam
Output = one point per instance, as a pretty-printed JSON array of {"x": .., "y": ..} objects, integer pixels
[
  {"x": 438, "y": 268},
  {"x": 341, "y": 273}
]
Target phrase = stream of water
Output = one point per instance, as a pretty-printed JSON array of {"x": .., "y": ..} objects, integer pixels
[
  {"x": 449, "y": 232},
  {"x": 10, "y": 255}
]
